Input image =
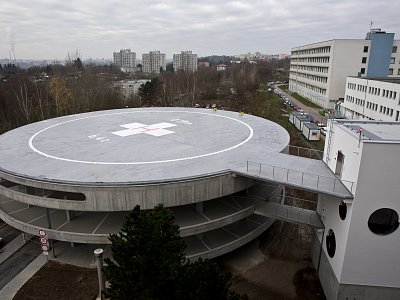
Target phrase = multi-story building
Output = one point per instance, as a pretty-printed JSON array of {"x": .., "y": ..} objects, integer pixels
[
  {"x": 318, "y": 71},
  {"x": 185, "y": 61},
  {"x": 153, "y": 62},
  {"x": 125, "y": 59},
  {"x": 357, "y": 251},
  {"x": 372, "y": 99}
]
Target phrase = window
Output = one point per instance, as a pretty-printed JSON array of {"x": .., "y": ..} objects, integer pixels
[
  {"x": 390, "y": 71},
  {"x": 365, "y": 49},
  {"x": 364, "y": 60},
  {"x": 383, "y": 221},
  {"x": 392, "y": 60},
  {"x": 398, "y": 71},
  {"x": 362, "y": 71},
  {"x": 394, "y": 49},
  {"x": 331, "y": 243},
  {"x": 342, "y": 210}
]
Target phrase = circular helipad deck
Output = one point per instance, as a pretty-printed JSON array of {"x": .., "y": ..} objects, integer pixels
[{"x": 138, "y": 145}]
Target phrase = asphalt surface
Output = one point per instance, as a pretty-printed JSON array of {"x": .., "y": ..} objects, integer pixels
[
  {"x": 7, "y": 233},
  {"x": 19, "y": 260}
]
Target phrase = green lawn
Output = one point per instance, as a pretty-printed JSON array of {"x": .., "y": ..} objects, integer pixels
[{"x": 305, "y": 101}]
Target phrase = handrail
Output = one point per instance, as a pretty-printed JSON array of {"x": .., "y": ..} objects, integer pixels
[
  {"x": 320, "y": 179},
  {"x": 300, "y": 150}
]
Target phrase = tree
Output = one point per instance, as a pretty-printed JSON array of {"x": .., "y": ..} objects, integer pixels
[
  {"x": 147, "y": 255},
  {"x": 149, "y": 263},
  {"x": 203, "y": 280},
  {"x": 61, "y": 95}
]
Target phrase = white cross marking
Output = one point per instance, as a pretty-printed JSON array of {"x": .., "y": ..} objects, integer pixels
[{"x": 154, "y": 130}]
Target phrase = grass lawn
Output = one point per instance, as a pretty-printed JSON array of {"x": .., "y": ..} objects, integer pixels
[{"x": 305, "y": 101}]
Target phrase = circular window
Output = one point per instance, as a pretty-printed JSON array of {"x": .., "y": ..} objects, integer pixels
[
  {"x": 331, "y": 243},
  {"x": 342, "y": 210},
  {"x": 383, "y": 221}
]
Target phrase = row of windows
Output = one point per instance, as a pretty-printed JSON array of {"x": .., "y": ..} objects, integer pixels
[
  {"x": 310, "y": 77},
  {"x": 324, "y": 60},
  {"x": 310, "y": 87},
  {"x": 357, "y": 101},
  {"x": 372, "y": 90},
  {"x": 325, "y": 49},
  {"x": 310, "y": 68},
  {"x": 391, "y": 71},
  {"x": 372, "y": 106},
  {"x": 386, "y": 110}
]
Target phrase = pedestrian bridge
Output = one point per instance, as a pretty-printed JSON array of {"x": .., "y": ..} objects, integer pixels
[
  {"x": 298, "y": 172},
  {"x": 287, "y": 213}
]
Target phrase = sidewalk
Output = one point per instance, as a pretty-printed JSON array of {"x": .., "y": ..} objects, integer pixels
[
  {"x": 13, "y": 247},
  {"x": 9, "y": 291}
]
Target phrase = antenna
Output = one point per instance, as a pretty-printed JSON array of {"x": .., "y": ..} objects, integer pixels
[{"x": 370, "y": 25}]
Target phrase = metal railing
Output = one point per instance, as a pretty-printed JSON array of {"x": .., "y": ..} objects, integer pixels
[
  {"x": 306, "y": 152},
  {"x": 289, "y": 213},
  {"x": 319, "y": 182}
]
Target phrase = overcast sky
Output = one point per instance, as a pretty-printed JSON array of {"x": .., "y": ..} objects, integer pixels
[{"x": 49, "y": 29}]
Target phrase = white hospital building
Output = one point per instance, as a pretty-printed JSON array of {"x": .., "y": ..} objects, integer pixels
[
  {"x": 318, "y": 71},
  {"x": 372, "y": 99}
]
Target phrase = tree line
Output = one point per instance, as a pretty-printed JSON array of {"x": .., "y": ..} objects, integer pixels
[{"x": 55, "y": 90}]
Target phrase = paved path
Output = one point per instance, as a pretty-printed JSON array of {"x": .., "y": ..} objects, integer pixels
[
  {"x": 12, "y": 247},
  {"x": 9, "y": 291},
  {"x": 307, "y": 109}
]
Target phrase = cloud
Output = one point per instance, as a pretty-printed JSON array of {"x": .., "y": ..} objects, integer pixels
[{"x": 51, "y": 28}]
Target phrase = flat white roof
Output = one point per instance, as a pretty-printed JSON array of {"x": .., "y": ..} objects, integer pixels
[{"x": 374, "y": 130}]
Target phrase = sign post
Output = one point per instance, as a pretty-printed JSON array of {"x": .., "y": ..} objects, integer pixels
[{"x": 44, "y": 243}]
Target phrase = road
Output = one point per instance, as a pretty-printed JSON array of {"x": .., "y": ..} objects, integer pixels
[
  {"x": 310, "y": 110},
  {"x": 20, "y": 259}
]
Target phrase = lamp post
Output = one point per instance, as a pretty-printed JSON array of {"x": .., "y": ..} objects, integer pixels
[{"x": 98, "y": 253}]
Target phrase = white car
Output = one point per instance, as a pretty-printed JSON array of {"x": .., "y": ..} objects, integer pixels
[{"x": 323, "y": 130}]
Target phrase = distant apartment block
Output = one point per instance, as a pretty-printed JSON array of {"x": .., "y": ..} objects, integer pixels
[
  {"x": 318, "y": 71},
  {"x": 185, "y": 61},
  {"x": 372, "y": 99},
  {"x": 125, "y": 59},
  {"x": 153, "y": 62}
]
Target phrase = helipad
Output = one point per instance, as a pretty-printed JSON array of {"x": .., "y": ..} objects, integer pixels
[
  {"x": 78, "y": 176},
  {"x": 137, "y": 145}
]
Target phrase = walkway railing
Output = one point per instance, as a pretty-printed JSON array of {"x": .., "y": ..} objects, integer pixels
[
  {"x": 294, "y": 177},
  {"x": 306, "y": 152},
  {"x": 288, "y": 213}
]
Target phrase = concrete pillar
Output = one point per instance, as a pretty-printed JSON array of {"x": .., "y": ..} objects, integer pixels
[
  {"x": 98, "y": 253},
  {"x": 70, "y": 215}
]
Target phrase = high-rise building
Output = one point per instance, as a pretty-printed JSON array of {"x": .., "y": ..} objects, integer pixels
[
  {"x": 318, "y": 71},
  {"x": 125, "y": 59},
  {"x": 185, "y": 61},
  {"x": 153, "y": 62}
]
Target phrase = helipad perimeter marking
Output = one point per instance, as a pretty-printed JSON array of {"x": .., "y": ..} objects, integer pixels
[{"x": 143, "y": 162}]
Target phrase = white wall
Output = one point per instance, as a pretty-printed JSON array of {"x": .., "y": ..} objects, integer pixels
[{"x": 372, "y": 259}]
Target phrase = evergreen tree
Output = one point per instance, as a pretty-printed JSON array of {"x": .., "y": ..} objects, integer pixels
[
  {"x": 147, "y": 256},
  {"x": 149, "y": 263}
]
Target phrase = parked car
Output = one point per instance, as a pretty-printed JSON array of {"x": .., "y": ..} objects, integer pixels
[
  {"x": 1, "y": 243},
  {"x": 197, "y": 106},
  {"x": 323, "y": 130}
]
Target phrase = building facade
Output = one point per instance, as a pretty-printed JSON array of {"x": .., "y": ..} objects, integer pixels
[
  {"x": 125, "y": 59},
  {"x": 372, "y": 99},
  {"x": 153, "y": 62},
  {"x": 185, "y": 61},
  {"x": 318, "y": 71},
  {"x": 361, "y": 238}
]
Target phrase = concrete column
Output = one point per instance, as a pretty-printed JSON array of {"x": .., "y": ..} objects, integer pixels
[
  {"x": 70, "y": 215},
  {"x": 98, "y": 253}
]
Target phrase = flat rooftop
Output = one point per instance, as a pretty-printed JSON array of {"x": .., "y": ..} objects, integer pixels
[
  {"x": 374, "y": 130},
  {"x": 383, "y": 79},
  {"x": 136, "y": 146}
]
